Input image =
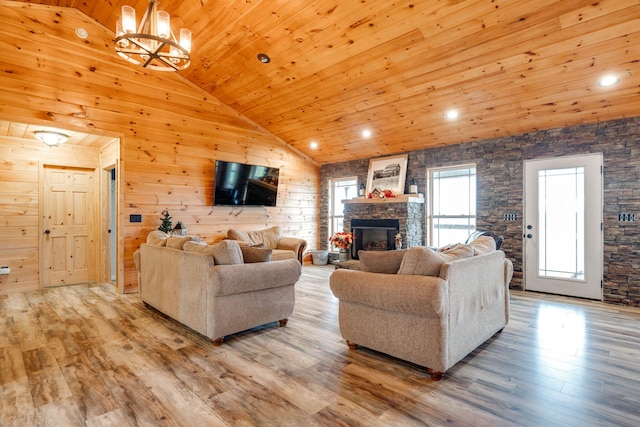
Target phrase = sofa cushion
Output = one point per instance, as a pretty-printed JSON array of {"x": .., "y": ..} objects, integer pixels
[
  {"x": 483, "y": 245},
  {"x": 457, "y": 251},
  {"x": 177, "y": 242},
  {"x": 269, "y": 236},
  {"x": 198, "y": 247},
  {"x": 157, "y": 238},
  {"x": 226, "y": 252},
  {"x": 387, "y": 262},
  {"x": 424, "y": 261},
  {"x": 420, "y": 260},
  {"x": 251, "y": 254}
]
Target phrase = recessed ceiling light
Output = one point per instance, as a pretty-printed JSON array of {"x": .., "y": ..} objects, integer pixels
[
  {"x": 264, "y": 58},
  {"x": 366, "y": 133},
  {"x": 608, "y": 80},
  {"x": 313, "y": 145},
  {"x": 82, "y": 33},
  {"x": 452, "y": 114}
]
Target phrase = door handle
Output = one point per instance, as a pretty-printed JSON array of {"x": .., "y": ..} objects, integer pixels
[
  {"x": 529, "y": 236},
  {"x": 47, "y": 231}
]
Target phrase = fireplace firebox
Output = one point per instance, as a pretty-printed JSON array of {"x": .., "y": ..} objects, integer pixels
[{"x": 373, "y": 235}]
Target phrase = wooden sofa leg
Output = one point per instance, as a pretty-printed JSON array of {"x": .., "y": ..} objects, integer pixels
[
  {"x": 283, "y": 322},
  {"x": 217, "y": 341},
  {"x": 352, "y": 345},
  {"x": 435, "y": 375}
]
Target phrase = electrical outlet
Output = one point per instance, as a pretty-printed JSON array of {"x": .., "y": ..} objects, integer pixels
[
  {"x": 626, "y": 217},
  {"x": 509, "y": 217}
]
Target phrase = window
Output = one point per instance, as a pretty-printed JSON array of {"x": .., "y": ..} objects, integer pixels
[
  {"x": 340, "y": 189},
  {"x": 452, "y": 199}
]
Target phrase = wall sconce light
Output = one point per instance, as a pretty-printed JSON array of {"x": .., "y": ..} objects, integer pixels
[{"x": 51, "y": 138}]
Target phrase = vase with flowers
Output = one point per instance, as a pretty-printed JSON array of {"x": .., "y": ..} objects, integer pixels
[{"x": 343, "y": 240}]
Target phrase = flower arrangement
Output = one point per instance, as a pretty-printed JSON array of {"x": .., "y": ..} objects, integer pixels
[
  {"x": 342, "y": 239},
  {"x": 381, "y": 194}
]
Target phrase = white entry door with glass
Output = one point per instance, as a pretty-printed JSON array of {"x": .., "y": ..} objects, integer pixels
[{"x": 563, "y": 226}]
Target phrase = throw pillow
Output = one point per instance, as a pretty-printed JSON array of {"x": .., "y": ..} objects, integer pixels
[
  {"x": 157, "y": 238},
  {"x": 386, "y": 262},
  {"x": 177, "y": 242},
  {"x": 483, "y": 245},
  {"x": 197, "y": 247},
  {"x": 197, "y": 239},
  {"x": 252, "y": 254},
  {"x": 457, "y": 251},
  {"x": 227, "y": 252},
  {"x": 420, "y": 260}
]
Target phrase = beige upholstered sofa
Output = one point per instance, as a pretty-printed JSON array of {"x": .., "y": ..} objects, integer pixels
[
  {"x": 271, "y": 238},
  {"x": 431, "y": 312},
  {"x": 211, "y": 290}
]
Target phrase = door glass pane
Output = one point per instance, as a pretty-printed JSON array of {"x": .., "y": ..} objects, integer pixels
[{"x": 561, "y": 223}]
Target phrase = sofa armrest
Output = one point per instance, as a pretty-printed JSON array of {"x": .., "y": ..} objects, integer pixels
[
  {"x": 240, "y": 278},
  {"x": 419, "y": 295},
  {"x": 294, "y": 244}
]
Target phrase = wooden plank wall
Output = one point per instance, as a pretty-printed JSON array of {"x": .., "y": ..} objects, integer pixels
[
  {"x": 21, "y": 163},
  {"x": 171, "y": 131}
]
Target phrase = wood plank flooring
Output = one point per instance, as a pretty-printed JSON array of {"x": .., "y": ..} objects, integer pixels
[{"x": 85, "y": 356}]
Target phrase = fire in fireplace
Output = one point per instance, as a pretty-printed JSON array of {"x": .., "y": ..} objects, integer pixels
[{"x": 373, "y": 235}]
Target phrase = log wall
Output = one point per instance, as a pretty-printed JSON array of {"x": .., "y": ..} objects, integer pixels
[{"x": 171, "y": 134}]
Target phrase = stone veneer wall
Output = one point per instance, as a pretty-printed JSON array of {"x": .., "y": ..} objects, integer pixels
[
  {"x": 410, "y": 214},
  {"x": 499, "y": 167}
]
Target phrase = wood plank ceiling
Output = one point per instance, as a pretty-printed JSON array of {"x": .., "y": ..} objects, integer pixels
[{"x": 396, "y": 67}]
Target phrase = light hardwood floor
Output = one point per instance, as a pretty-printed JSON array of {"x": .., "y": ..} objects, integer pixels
[{"x": 83, "y": 355}]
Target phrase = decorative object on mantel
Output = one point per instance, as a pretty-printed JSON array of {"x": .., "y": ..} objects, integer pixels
[
  {"x": 387, "y": 173},
  {"x": 153, "y": 44},
  {"x": 361, "y": 190},
  {"x": 383, "y": 194},
  {"x": 413, "y": 188},
  {"x": 166, "y": 222},
  {"x": 343, "y": 241},
  {"x": 180, "y": 230},
  {"x": 398, "y": 241}
]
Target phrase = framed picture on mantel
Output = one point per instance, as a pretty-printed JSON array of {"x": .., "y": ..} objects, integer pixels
[{"x": 387, "y": 173}]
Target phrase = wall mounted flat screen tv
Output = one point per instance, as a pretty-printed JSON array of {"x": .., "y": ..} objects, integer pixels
[{"x": 239, "y": 184}]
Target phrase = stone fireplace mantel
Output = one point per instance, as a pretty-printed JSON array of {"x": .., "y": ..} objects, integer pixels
[
  {"x": 407, "y": 208},
  {"x": 401, "y": 198}
]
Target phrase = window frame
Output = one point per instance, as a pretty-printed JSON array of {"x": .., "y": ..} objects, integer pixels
[
  {"x": 471, "y": 218},
  {"x": 332, "y": 217}
]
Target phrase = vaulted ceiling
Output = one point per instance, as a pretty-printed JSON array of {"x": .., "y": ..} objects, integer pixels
[{"x": 396, "y": 67}]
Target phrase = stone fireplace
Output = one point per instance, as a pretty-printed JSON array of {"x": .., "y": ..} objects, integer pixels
[{"x": 406, "y": 209}]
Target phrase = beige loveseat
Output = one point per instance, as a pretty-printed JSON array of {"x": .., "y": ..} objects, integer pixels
[
  {"x": 271, "y": 238},
  {"x": 211, "y": 290},
  {"x": 431, "y": 312}
]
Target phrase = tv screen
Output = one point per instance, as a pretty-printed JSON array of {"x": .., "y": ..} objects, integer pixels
[{"x": 238, "y": 184}]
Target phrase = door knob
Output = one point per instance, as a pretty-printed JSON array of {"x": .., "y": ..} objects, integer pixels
[
  {"x": 529, "y": 235},
  {"x": 47, "y": 231},
  {"x": 529, "y": 227}
]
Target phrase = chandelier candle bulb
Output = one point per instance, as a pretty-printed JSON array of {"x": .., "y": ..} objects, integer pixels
[
  {"x": 185, "y": 39},
  {"x": 164, "y": 27},
  {"x": 128, "y": 19}
]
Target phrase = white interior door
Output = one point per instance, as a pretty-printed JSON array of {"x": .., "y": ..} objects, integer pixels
[{"x": 563, "y": 226}]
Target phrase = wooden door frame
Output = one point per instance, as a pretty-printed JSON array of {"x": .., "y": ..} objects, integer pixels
[{"x": 95, "y": 257}]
